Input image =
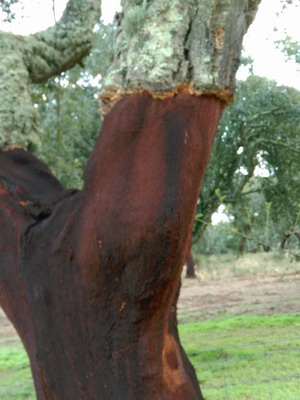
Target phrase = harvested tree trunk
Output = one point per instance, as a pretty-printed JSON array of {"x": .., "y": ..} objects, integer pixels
[{"x": 97, "y": 271}]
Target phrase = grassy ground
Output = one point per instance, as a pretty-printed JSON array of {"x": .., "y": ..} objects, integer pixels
[
  {"x": 15, "y": 375},
  {"x": 250, "y": 264},
  {"x": 251, "y": 354},
  {"x": 252, "y": 357}
]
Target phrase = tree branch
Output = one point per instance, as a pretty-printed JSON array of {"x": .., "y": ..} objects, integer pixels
[
  {"x": 60, "y": 47},
  {"x": 30, "y": 183},
  {"x": 250, "y": 192},
  {"x": 281, "y": 144}
]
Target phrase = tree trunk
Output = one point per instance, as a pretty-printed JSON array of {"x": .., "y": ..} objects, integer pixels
[
  {"x": 190, "y": 267},
  {"x": 98, "y": 271},
  {"x": 245, "y": 235},
  {"x": 163, "y": 45},
  {"x": 35, "y": 58},
  {"x": 286, "y": 237}
]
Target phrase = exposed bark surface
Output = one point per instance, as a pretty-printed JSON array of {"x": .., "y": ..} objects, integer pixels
[
  {"x": 97, "y": 276},
  {"x": 35, "y": 58}
]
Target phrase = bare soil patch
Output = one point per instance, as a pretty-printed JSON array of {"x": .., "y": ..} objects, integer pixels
[
  {"x": 261, "y": 295},
  {"x": 254, "y": 284}
]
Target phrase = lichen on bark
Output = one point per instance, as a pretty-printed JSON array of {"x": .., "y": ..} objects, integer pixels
[
  {"x": 19, "y": 121},
  {"x": 60, "y": 47},
  {"x": 177, "y": 42},
  {"x": 35, "y": 58}
]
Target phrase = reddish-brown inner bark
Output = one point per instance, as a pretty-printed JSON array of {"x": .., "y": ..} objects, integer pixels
[{"x": 90, "y": 278}]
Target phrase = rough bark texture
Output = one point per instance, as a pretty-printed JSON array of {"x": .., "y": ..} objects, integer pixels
[
  {"x": 165, "y": 43},
  {"x": 35, "y": 58},
  {"x": 97, "y": 272}
]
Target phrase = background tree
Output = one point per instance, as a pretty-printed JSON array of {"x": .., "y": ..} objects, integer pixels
[
  {"x": 97, "y": 305},
  {"x": 261, "y": 130},
  {"x": 68, "y": 106},
  {"x": 288, "y": 45},
  {"x": 7, "y": 13}
]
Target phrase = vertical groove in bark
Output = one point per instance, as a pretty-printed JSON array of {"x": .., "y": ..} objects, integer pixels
[
  {"x": 99, "y": 273},
  {"x": 162, "y": 44}
]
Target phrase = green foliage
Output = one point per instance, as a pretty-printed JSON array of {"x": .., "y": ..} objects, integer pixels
[
  {"x": 261, "y": 131},
  {"x": 291, "y": 48},
  {"x": 217, "y": 239},
  {"x": 71, "y": 124},
  {"x": 7, "y": 10},
  {"x": 101, "y": 55},
  {"x": 286, "y": 3},
  {"x": 68, "y": 106}
]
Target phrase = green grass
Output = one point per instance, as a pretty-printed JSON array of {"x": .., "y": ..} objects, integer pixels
[
  {"x": 15, "y": 376},
  {"x": 251, "y": 349},
  {"x": 238, "y": 355}
]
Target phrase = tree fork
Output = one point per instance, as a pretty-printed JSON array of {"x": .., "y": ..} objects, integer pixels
[
  {"x": 35, "y": 58},
  {"x": 98, "y": 275}
]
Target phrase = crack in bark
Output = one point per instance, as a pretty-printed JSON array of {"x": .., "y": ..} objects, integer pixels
[
  {"x": 186, "y": 51},
  {"x": 211, "y": 61},
  {"x": 7, "y": 185}
]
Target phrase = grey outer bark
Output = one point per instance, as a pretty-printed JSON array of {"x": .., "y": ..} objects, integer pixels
[
  {"x": 165, "y": 43},
  {"x": 34, "y": 58}
]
